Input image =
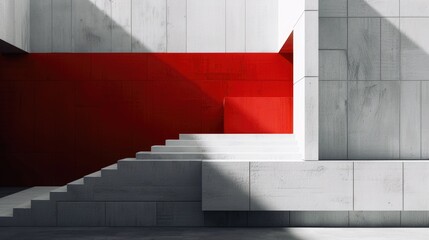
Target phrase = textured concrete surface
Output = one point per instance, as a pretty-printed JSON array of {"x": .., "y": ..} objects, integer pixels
[{"x": 214, "y": 233}]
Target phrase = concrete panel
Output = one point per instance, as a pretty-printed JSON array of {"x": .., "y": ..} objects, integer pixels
[
  {"x": 378, "y": 186},
  {"x": 41, "y": 26},
  {"x": 101, "y": 40},
  {"x": 319, "y": 219},
  {"x": 61, "y": 25},
  {"x": 22, "y": 24},
  {"x": 414, "y": 8},
  {"x": 311, "y": 43},
  {"x": 375, "y": 219},
  {"x": 79, "y": 214},
  {"x": 179, "y": 214},
  {"x": 414, "y": 219},
  {"x": 176, "y": 25},
  {"x": 44, "y": 213},
  {"x": 333, "y": 8},
  {"x": 235, "y": 25},
  {"x": 152, "y": 181},
  {"x": 373, "y": 119},
  {"x": 130, "y": 214},
  {"x": 268, "y": 219},
  {"x": 83, "y": 36},
  {"x": 121, "y": 26},
  {"x": 149, "y": 28},
  {"x": 373, "y": 8},
  {"x": 299, "y": 56},
  {"x": 306, "y": 116},
  {"x": 332, "y": 65},
  {"x": 225, "y": 186},
  {"x": 364, "y": 48},
  {"x": 206, "y": 26},
  {"x": 333, "y": 33},
  {"x": 283, "y": 186},
  {"x": 9, "y": 18},
  {"x": 425, "y": 120},
  {"x": 261, "y": 26},
  {"x": 226, "y": 219},
  {"x": 416, "y": 186},
  {"x": 390, "y": 49},
  {"x": 410, "y": 147},
  {"x": 414, "y": 49},
  {"x": 333, "y": 120}
]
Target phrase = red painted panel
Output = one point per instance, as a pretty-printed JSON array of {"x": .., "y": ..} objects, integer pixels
[
  {"x": 258, "y": 115},
  {"x": 65, "y": 115}
]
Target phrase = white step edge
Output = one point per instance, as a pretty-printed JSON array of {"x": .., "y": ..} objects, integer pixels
[
  {"x": 175, "y": 142},
  {"x": 235, "y": 136},
  {"x": 256, "y": 148},
  {"x": 219, "y": 155}
]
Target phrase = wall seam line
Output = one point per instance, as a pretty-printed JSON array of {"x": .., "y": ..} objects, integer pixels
[{"x": 347, "y": 93}]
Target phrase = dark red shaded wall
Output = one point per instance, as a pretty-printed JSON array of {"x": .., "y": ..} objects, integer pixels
[{"x": 66, "y": 115}]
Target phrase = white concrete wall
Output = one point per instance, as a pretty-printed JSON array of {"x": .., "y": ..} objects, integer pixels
[
  {"x": 306, "y": 81},
  {"x": 156, "y": 26},
  {"x": 374, "y": 72},
  {"x": 14, "y": 23}
]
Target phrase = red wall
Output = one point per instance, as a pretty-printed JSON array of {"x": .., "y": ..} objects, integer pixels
[
  {"x": 258, "y": 115},
  {"x": 66, "y": 115}
]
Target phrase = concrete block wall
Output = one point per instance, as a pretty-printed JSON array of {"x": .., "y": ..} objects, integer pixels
[
  {"x": 14, "y": 25},
  {"x": 374, "y": 79},
  {"x": 154, "y": 26},
  {"x": 315, "y": 186}
]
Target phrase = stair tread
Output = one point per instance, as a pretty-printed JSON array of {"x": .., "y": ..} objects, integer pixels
[
  {"x": 76, "y": 182},
  {"x": 111, "y": 167}
]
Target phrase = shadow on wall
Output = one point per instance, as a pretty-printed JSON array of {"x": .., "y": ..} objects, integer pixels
[
  {"x": 381, "y": 112},
  {"x": 66, "y": 115}
]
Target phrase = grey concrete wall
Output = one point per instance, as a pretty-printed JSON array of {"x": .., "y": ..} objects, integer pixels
[
  {"x": 374, "y": 78},
  {"x": 14, "y": 25},
  {"x": 315, "y": 186},
  {"x": 154, "y": 26}
]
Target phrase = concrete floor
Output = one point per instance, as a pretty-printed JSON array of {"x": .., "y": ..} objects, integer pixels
[{"x": 215, "y": 233}]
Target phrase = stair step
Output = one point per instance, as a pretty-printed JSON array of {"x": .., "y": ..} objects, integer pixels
[
  {"x": 220, "y": 156},
  {"x": 94, "y": 175},
  {"x": 111, "y": 167},
  {"x": 22, "y": 200},
  {"x": 235, "y": 143},
  {"x": 77, "y": 182},
  {"x": 257, "y": 148},
  {"x": 244, "y": 137}
]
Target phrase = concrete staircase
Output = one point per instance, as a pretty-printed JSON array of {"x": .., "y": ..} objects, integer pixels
[{"x": 157, "y": 188}]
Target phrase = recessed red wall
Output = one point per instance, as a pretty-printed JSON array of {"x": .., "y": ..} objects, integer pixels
[
  {"x": 258, "y": 115},
  {"x": 66, "y": 115}
]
